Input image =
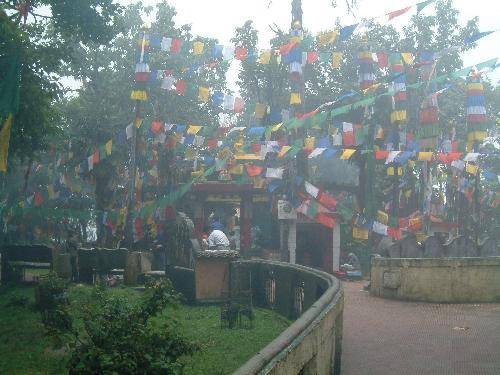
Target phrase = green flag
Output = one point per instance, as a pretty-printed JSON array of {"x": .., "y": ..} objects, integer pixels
[{"x": 422, "y": 5}]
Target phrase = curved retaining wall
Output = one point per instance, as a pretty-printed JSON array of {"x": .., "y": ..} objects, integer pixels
[
  {"x": 448, "y": 280},
  {"x": 313, "y": 343}
]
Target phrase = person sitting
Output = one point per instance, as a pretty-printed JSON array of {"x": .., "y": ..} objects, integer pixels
[{"x": 217, "y": 240}]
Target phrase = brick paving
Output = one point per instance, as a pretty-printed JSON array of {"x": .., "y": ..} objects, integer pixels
[{"x": 394, "y": 337}]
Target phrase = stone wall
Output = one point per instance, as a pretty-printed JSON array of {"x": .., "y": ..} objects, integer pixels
[
  {"x": 313, "y": 343},
  {"x": 449, "y": 280}
]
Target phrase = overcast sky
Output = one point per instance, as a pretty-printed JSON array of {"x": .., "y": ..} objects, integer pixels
[{"x": 219, "y": 18}]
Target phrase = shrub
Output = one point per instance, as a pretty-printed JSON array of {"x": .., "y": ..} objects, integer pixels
[{"x": 119, "y": 337}]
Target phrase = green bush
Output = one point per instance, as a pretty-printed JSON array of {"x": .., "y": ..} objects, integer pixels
[{"x": 119, "y": 338}]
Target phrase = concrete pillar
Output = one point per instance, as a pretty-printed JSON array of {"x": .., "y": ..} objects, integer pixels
[
  {"x": 336, "y": 247},
  {"x": 132, "y": 267},
  {"x": 246, "y": 224},
  {"x": 62, "y": 265},
  {"x": 292, "y": 241}
]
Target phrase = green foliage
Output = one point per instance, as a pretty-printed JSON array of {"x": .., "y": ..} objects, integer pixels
[
  {"x": 26, "y": 348},
  {"x": 119, "y": 338}
]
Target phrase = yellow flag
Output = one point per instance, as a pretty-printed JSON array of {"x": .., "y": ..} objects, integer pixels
[
  {"x": 382, "y": 217},
  {"x": 407, "y": 57},
  {"x": 193, "y": 129},
  {"x": 283, "y": 151},
  {"x": 328, "y": 37},
  {"x": 260, "y": 110},
  {"x": 359, "y": 233},
  {"x": 295, "y": 98},
  {"x": 4, "y": 142},
  {"x": 346, "y": 155},
  {"x": 310, "y": 143},
  {"x": 471, "y": 168},
  {"x": 203, "y": 94},
  {"x": 265, "y": 57},
  {"x": 237, "y": 169},
  {"x": 398, "y": 116},
  {"x": 425, "y": 156},
  {"x": 50, "y": 191},
  {"x": 138, "y": 122},
  {"x": 198, "y": 48},
  {"x": 108, "y": 147},
  {"x": 336, "y": 60},
  {"x": 276, "y": 127}
]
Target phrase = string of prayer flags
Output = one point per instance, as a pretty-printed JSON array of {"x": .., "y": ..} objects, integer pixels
[
  {"x": 366, "y": 74},
  {"x": 359, "y": 233},
  {"x": 198, "y": 48},
  {"x": 398, "y": 114},
  {"x": 476, "y": 110}
]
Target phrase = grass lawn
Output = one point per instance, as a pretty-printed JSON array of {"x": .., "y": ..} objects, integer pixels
[{"x": 24, "y": 349}]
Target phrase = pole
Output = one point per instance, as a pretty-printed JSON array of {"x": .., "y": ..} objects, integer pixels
[{"x": 129, "y": 222}]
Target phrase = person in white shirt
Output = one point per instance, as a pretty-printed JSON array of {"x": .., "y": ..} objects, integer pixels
[{"x": 217, "y": 240}]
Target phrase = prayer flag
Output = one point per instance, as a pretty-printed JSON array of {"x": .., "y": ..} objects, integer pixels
[
  {"x": 328, "y": 37},
  {"x": 327, "y": 200},
  {"x": 336, "y": 60},
  {"x": 471, "y": 168},
  {"x": 312, "y": 57},
  {"x": 203, "y": 94},
  {"x": 397, "y": 13},
  {"x": 346, "y": 32},
  {"x": 260, "y": 110},
  {"x": 108, "y": 147},
  {"x": 346, "y": 155},
  {"x": 295, "y": 98},
  {"x": 383, "y": 60},
  {"x": 198, "y": 48},
  {"x": 181, "y": 87},
  {"x": 254, "y": 170},
  {"x": 241, "y": 53},
  {"x": 423, "y": 4},
  {"x": 311, "y": 189},
  {"x": 274, "y": 173},
  {"x": 380, "y": 228},
  {"x": 425, "y": 156},
  {"x": 407, "y": 57},
  {"x": 176, "y": 45},
  {"x": 4, "y": 142},
  {"x": 239, "y": 105},
  {"x": 284, "y": 150},
  {"x": 265, "y": 57},
  {"x": 316, "y": 152},
  {"x": 326, "y": 220},
  {"x": 193, "y": 129},
  {"x": 359, "y": 233}
]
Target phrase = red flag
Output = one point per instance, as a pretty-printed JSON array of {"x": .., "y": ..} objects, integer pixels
[
  {"x": 383, "y": 60},
  {"x": 176, "y": 46},
  {"x": 348, "y": 139},
  {"x": 241, "y": 53},
  {"x": 180, "y": 87},
  {"x": 312, "y": 57},
  {"x": 397, "y": 13},
  {"x": 325, "y": 220},
  {"x": 254, "y": 170},
  {"x": 95, "y": 157},
  {"x": 38, "y": 199},
  {"x": 327, "y": 201},
  {"x": 381, "y": 155},
  {"x": 394, "y": 233},
  {"x": 212, "y": 143},
  {"x": 157, "y": 127},
  {"x": 256, "y": 148},
  {"x": 287, "y": 48},
  {"x": 239, "y": 105}
]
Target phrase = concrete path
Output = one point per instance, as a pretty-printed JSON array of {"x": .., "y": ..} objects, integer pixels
[{"x": 391, "y": 337}]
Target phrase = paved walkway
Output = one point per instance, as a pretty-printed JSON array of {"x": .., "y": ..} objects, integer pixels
[{"x": 392, "y": 337}]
